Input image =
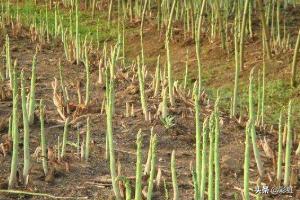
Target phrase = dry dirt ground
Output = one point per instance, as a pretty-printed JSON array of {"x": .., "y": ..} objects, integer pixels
[{"x": 72, "y": 177}]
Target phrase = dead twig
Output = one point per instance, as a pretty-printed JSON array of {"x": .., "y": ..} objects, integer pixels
[
  {"x": 39, "y": 194},
  {"x": 242, "y": 191}
]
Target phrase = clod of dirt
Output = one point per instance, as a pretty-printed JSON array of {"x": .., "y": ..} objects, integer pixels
[
  {"x": 132, "y": 89},
  {"x": 5, "y": 92},
  {"x": 6, "y": 145},
  {"x": 230, "y": 164}
]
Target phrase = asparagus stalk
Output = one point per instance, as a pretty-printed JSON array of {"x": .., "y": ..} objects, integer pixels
[
  {"x": 294, "y": 63},
  {"x": 174, "y": 177},
  {"x": 198, "y": 134},
  {"x": 247, "y": 161},
  {"x": 15, "y": 133},
  {"x": 169, "y": 64},
  {"x": 237, "y": 70},
  {"x": 31, "y": 103},
  {"x": 87, "y": 71},
  {"x": 288, "y": 146},
  {"x": 252, "y": 129},
  {"x": 65, "y": 137},
  {"x": 26, "y": 130},
  {"x": 43, "y": 138},
  {"x": 216, "y": 150},
  {"x": 186, "y": 70},
  {"x": 142, "y": 90},
  {"x": 9, "y": 68},
  {"x": 279, "y": 159},
  {"x": 149, "y": 158},
  {"x": 196, "y": 187},
  {"x": 109, "y": 136},
  {"x": 164, "y": 112},
  {"x": 204, "y": 159},
  {"x": 153, "y": 167},
  {"x": 157, "y": 77},
  {"x": 197, "y": 40},
  {"x": 77, "y": 38},
  {"x": 211, "y": 157},
  {"x": 138, "y": 182},
  {"x": 88, "y": 139},
  {"x": 242, "y": 35}
]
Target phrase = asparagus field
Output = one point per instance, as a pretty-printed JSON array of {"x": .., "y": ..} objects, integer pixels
[{"x": 150, "y": 99}]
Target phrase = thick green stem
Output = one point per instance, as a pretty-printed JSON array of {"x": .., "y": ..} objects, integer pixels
[
  {"x": 186, "y": 70},
  {"x": 9, "y": 68},
  {"x": 142, "y": 90},
  {"x": 157, "y": 77},
  {"x": 242, "y": 35},
  {"x": 252, "y": 129},
  {"x": 259, "y": 94},
  {"x": 216, "y": 151},
  {"x": 26, "y": 130},
  {"x": 15, "y": 133},
  {"x": 263, "y": 94},
  {"x": 278, "y": 21},
  {"x": 211, "y": 157},
  {"x": 169, "y": 63},
  {"x": 153, "y": 167},
  {"x": 10, "y": 127},
  {"x": 31, "y": 107},
  {"x": 174, "y": 177},
  {"x": 77, "y": 39},
  {"x": 62, "y": 82},
  {"x": 279, "y": 157},
  {"x": 109, "y": 119},
  {"x": 294, "y": 63},
  {"x": 149, "y": 157},
  {"x": 204, "y": 160},
  {"x": 142, "y": 32},
  {"x": 197, "y": 41},
  {"x": 65, "y": 137},
  {"x": 247, "y": 161},
  {"x": 43, "y": 138},
  {"x": 170, "y": 73},
  {"x": 198, "y": 134},
  {"x": 288, "y": 146},
  {"x": 87, "y": 140},
  {"x": 266, "y": 32},
  {"x": 237, "y": 70},
  {"x": 127, "y": 184},
  {"x": 139, "y": 167},
  {"x": 196, "y": 187},
  {"x": 221, "y": 23},
  {"x": 165, "y": 110},
  {"x": 87, "y": 71}
]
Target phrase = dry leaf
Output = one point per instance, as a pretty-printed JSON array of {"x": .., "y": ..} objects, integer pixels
[{"x": 267, "y": 149}]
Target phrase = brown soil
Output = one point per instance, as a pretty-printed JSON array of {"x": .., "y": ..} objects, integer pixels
[
  {"x": 218, "y": 64},
  {"x": 84, "y": 179}
]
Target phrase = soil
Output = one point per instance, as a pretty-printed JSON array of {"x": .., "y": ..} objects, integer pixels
[{"x": 76, "y": 178}]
